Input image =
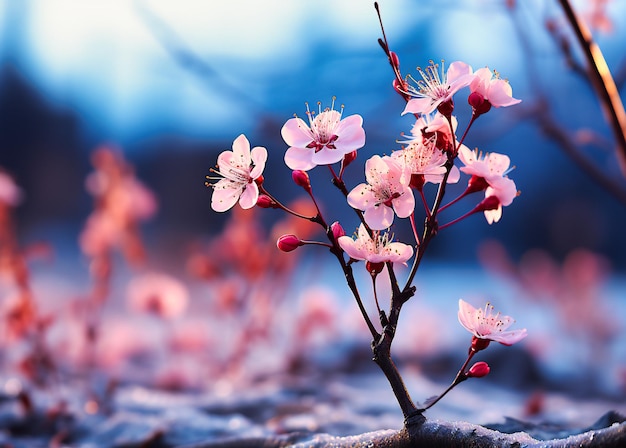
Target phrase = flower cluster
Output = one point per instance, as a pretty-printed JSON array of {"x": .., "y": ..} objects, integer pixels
[{"x": 394, "y": 187}]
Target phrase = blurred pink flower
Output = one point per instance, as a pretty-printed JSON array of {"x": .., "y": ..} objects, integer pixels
[
  {"x": 324, "y": 141},
  {"x": 238, "y": 170},
  {"x": 10, "y": 193},
  {"x": 435, "y": 89},
  {"x": 159, "y": 294},
  {"x": 385, "y": 194},
  {"x": 483, "y": 324},
  {"x": 377, "y": 250}
]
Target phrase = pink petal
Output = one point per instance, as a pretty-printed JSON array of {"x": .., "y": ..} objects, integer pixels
[
  {"x": 420, "y": 106},
  {"x": 350, "y": 247},
  {"x": 379, "y": 217},
  {"x": 459, "y": 72},
  {"x": 241, "y": 150},
  {"x": 361, "y": 197},
  {"x": 405, "y": 204},
  {"x": 296, "y": 132},
  {"x": 493, "y": 215},
  {"x": 400, "y": 252},
  {"x": 467, "y": 315},
  {"x": 299, "y": 158},
  {"x": 249, "y": 196},
  {"x": 350, "y": 133},
  {"x": 327, "y": 156},
  {"x": 224, "y": 198},
  {"x": 501, "y": 94},
  {"x": 259, "y": 157},
  {"x": 511, "y": 337}
]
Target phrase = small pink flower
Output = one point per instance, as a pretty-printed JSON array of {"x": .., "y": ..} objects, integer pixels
[
  {"x": 386, "y": 192},
  {"x": 483, "y": 324},
  {"x": 324, "y": 141},
  {"x": 435, "y": 89},
  {"x": 238, "y": 171},
  {"x": 425, "y": 159},
  {"x": 159, "y": 294},
  {"x": 505, "y": 190},
  {"x": 380, "y": 249},
  {"x": 493, "y": 91},
  {"x": 492, "y": 168}
]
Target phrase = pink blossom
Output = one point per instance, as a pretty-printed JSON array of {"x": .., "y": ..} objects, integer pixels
[
  {"x": 379, "y": 249},
  {"x": 10, "y": 193},
  {"x": 485, "y": 325},
  {"x": 492, "y": 168},
  {"x": 324, "y": 141},
  {"x": 238, "y": 171},
  {"x": 505, "y": 190},
  {"x": 434, "y": 88},
  {"x": 425, "y": 159},
  {"x": 386, "y": 192},
  {"x": 488, "y": 85},
  {"x": 159, "y": 294}
]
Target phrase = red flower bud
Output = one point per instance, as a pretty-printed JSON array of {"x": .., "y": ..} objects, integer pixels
[
  {"x": 301, "y": 178},
  {"x": 265, "y": 201},
  {"x": 337, "y": 230},
  {"x": 479, "y": 104},
  {"x": 478, "y": 370},
  {"x": 287, "y": 243},
  {"x": 259, "y": 180}
]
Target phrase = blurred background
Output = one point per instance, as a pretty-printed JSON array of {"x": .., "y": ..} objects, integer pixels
[{"x": 172, "y": 84}]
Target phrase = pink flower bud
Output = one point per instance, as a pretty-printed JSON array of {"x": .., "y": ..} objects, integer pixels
[
  {"x": 301, "y": 178},
  {"x": 287, "y": 243},
  {"x": 265, "y": 201},
  {"x": 337, "y": 230},
  {"x": 478, "y": 370}
]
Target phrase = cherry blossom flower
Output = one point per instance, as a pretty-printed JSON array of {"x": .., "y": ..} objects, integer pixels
[
  {"x": 505, "y": 190},
  {"x": 492, "y": 168},
  {"x": 426, "y": 160},
  {"x": 385, "y": 193},
  {"x": 379, "y": 249},
  {"x": 239, "y": 170},
  {"x": 325, "y": 140},
  {"x": 159, "y": 294},
  {"x": 487, "y": 89},
  {"x": 435, "y": 89},
  {"x": 485, "y": 325}
]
